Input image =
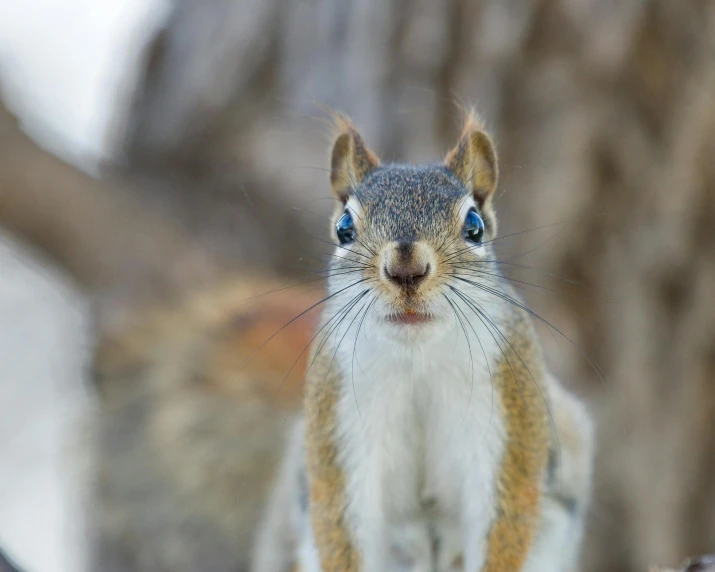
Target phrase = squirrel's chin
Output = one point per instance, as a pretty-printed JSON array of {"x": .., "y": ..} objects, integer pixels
[
  {"x": 411, "y": 318},
  {"x": 414, "y": 327}
]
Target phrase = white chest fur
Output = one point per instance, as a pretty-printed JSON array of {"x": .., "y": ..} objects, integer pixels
[{"x": 422, "y": 440}]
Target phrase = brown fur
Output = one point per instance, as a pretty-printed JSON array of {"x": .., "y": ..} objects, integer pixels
[
  {"x": 520, "y": 482},
  {"x": 351, "y": 160},
  {"x": 519, "y": 380},
  {"x": 474, "y": 160},
  {"x": 522, "y": 474},
  {"x": 327, "y": 482}
]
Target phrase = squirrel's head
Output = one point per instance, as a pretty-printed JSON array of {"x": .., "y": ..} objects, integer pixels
[{"x": 409, "y": 236}]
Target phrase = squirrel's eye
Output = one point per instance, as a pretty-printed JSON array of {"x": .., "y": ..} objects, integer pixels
[
  {"x": 345, "y": 229},
  {"x": 473, "y": 227}
]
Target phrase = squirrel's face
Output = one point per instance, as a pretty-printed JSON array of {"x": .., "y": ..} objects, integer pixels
[{"x": 410, "y": 236}]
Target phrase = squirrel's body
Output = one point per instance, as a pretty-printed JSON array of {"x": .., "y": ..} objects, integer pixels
[
  {"x": 404, "y": 438},
  {"x": 430, "y": 438}
]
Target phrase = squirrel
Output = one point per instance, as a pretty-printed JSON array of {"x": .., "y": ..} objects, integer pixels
[{"x": 433, "y": 438}]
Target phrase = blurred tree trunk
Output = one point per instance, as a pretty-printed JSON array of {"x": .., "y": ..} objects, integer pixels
[{"x": 605, "y": 117}]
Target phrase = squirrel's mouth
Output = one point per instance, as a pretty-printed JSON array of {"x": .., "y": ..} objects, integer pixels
[{"x": 410, "y": 318}]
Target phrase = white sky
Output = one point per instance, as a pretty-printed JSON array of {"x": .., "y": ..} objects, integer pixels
[{"x": 66, "y": 66}]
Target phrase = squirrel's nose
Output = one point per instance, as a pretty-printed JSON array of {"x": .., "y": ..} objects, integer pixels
[{"x": 405, "y": 269}]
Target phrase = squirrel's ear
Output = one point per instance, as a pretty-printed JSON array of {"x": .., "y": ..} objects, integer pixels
[
  {"x": 474, "y": 161},
  {"x": 350, "y": 161}
]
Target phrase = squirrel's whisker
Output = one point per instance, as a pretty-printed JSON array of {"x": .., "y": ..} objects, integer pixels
[
  {"x": 477, "y": 263},
  {"x": 357, "y": 314},
  {"x": 295, "y": 284},
  {"x": 502, "y": 237},
  {"x": 303, "y": 313},
  {"x": 513, "y": 301},
  {"x": 482, "y": 313},
  {"x": 333, "y": 329},
  {"x": 471, "y": 361},
  {"x": 351, "y": 304},
  {"x": 489, "y": 369},
  {"x": 478, "y": 273},
  {"x": 336, "y": 245}
]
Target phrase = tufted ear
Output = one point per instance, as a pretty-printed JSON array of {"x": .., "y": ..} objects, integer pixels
[
  {"x": 474, "y": 161},
  {"x": 351, "y": 160}
]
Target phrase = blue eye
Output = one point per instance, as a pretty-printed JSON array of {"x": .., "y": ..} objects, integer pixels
[
  {"x": 345, "y": 229},
  {"x": 473, "y": 227}
]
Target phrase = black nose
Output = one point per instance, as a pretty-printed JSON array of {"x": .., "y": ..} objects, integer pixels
[{"x": 407, "y": 274}]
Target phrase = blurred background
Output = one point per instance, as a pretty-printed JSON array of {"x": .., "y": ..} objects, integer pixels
[{"x": 163, "y": 163}]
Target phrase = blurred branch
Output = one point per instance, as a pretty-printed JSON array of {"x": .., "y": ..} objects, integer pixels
[
  {"x": 6, "y": 565},
  {"x": 110, "y": 242}
]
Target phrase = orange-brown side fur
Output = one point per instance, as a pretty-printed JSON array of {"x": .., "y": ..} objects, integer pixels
[
  {"x": 327, "y": 481},
  {"x": 519, "y": 488}
]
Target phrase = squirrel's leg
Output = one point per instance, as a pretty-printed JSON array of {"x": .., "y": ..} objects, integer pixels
[
  {"x": 285, "y": 517},
  {"x": 326, "y": 479},
  {"x": 520, "y": 479},
  {"x": 477, "y": 516},
  {"x": 568, "y": 485},
  {"x": 374, "y": 543},
  {"x": 308, "y": 558}
]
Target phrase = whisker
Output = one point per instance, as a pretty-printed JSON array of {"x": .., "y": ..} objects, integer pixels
[
  {"x": 352, "y": 260},
  {"x": 346, "y": 331},
  {"x": 485, "y": 243},
  {"x": 312, "y": 306},
  {"x": 325, "y": 339},
  {"x": 336, "y": 268},
  {"x": 289, "y": 286},
  {"x": 471, "y": 361},
  {"x": 364, "y": 335},
  {"x": 350, "y": 305},
  {"x": 480, "y": 311},
  {"x": 475, "y": 308},
  {"x": 521, "y": 266},
  {"x": 602, "y": 376},
  {"x": 479, "y": 273},
  {"x": 486, "y": 361},
  {"x": 336, "y": 245},
  {"x": 352, "y": 366}
]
